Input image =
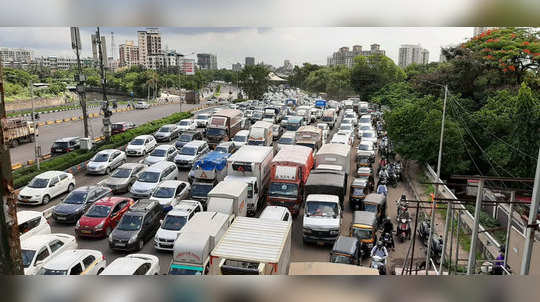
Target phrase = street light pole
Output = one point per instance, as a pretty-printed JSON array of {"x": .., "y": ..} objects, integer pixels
[
  {"x": 36, "y": 131},
  {"x": 531, "y": 224}
]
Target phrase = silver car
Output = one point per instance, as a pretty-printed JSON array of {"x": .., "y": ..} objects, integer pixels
[
  {"x": 122, "y": 178},
  {"x": 106, "y": 161},
  {"x": 162, "y": 152}
]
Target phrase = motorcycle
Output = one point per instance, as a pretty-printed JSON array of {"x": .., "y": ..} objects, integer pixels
[
  {"x": 388, "y": 240},
  {"x": 423, "y": 232},
  {"x": 379, "y": 263},
  {"x": 436, "y": 249},
  {"x": 404, "y": 229},
  {"x": 397, "y": 170},
  {"x": 402, "y": 209}
]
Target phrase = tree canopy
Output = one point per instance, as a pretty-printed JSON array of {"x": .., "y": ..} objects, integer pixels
[{"x": 371, "y": 73}]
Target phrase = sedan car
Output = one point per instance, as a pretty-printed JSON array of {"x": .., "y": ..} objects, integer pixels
[
  {"x": 141, "y": 105},
  {"x": 38, "y": 250},
  {"x": 46, "y": 186},
  {"x": 190, "y": 153},
  {"x": 162, "y": 152},
  {"x": 186, "y": 125},
  {"x": 121, "y": 179},
  {"x": 77, "y": 202},
  {"x": 106, "y": 161},
  {"x": 75, "y": 262},
  {"x": 167, "y": 133},
  {"x": 102, "y": 217},
  {"x": 370, "y": 136},
  {"x": 32, "y": 223},
  {"x": 169, "y": 192},
  {"x": 141, "y": 145},
  {"x": 187, "y": 137},
  {"x": 133, "y": 265}
]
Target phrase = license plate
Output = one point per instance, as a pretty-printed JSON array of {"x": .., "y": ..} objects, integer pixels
[
  {"x": 120, "y": 244},
  {"x": 61, "y": 218},
  {"x": 85, "y": 232},
  {"x": 58, "y": 150}
]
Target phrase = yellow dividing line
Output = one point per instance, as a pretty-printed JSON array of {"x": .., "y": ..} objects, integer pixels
[{"x": 16, "y": 166}]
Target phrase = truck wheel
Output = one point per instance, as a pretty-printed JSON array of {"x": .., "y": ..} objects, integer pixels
[{"x": 14, "y": 143}]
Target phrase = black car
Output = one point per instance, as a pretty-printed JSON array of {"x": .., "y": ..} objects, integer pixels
[
  {"x": 65, "y": 145},
  {"x": 187, "y": 137},
  {"x": 77, "y": 202},
  {"x": 139, "y": 224}
]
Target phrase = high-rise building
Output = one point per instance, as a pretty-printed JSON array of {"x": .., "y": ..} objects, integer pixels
[
  {"x": 344, "y": 56},
  {"x": 95, "y": 49},
  {"x": 412, "y": 54},
  {"x": 15, "y": 57},
  {"x": 287, "y": 65},
  {"x": 250, "y": 61},
  {"x": 128, "y": 54},
  {"x": 149, "y": 42},
  {"x": 237, "y": 67},
  {"x": 207, "y": 61},
  {"x": 165, "y": 59}
]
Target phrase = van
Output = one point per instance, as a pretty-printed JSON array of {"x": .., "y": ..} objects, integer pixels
[
  {"x": 150, "y": 177},
  {"x": 276, "y": 213}
]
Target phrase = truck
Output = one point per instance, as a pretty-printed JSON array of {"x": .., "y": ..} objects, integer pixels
[
  {"x": 224, "y": 125},
  {"x": 294, "y": 122},
  {"x": 330, "y": 116},
  {"x": 228, "y": 197},
  {"x": 260, "y": 134},
  {"x": 322, "y": 218},
  {"x": 309, "y": 136},
  {"x": 18, "y": 131},
  {"x": 253, "y": 246},
  {"x": 326, "y": 180},
  {"x": 337, "y": 155},
  {"x": 251, "y": 165},
  {"x": 192, "y": 248},
  {"x": 192, "y": 97},
  {"x": 206, "y": 173},
  {"x": 289, "y": 173},
  {"x": 321, "y": 104}
]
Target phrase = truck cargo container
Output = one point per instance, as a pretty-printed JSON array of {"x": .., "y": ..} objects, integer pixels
[
  {"x": 228, "y": 197},
  {"x": 224, "y": 125}
]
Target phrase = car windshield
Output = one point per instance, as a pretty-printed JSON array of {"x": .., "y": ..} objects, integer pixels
[
  {"x": 215, "y": 132},
  {"x": 117, "y": 126},
  {"x": 341, "y": 259},
  {"x": 185, "y": 138},
  {"x": 322, "y": 208},
  {"x": 349, "y": 115},
  {"x": 370, "y": 208},
  {"x": 184, "y": 123},
  {"x": 158, "y": 152},
  {"x": 358, "y": 192},
  {"x": 47, "y": 271},
  {"x": 202, "y": 117},
  {"x": 188, "y": 151},
  {"x": 165, "y": 129},
  {"x": 287, "y": 190},
  {"x": 286, "y": 141},
  {"x": 362, "y": 233},
  {"x": 76, "y": 197},
  {"x": 151, "y": 177},
  {"x": 367, "y": 134},
  {"x": 164, "y": 192},
  {"x": 173, "y": 223},
  {"x": 345, "y": 127},
  {"x": 293, "y": 126},
  {"x": 240, "y": 138},
  {"x": 98, "y": 211},
  {"x": 363, "y": 147},
  {"x": 185, "y": 270},
  {"x": 27, "y": 257},
  {"x": 121, "y": 173},
  {"x": 130, "y": 223},
  {"x": 60, "y": 145},
  {"x": 364, "y": 120},
  {"x": 365, "y": 127},
  {"x": 328, "y": 118},
  {"x": 38, "y": 183},
  {"x": 101, "y": 157},
  {"x": 201, "y": 189},
  {"x": 137, "y": 142}
]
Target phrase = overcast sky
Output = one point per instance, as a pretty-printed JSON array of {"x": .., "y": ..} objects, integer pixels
[{"x": 233, "y": 44}]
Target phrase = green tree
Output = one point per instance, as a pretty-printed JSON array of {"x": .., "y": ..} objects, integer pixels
[
  {"x": 300, "y": 74},
  {"x": 254, "y": 80},
  {"x": 371, "y": 73}
]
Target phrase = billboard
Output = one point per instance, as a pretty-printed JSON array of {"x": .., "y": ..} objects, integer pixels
[{"x": 188, "y": 66}]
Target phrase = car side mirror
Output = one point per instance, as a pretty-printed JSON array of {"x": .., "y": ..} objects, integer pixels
[{"x": 52, "y": 185}]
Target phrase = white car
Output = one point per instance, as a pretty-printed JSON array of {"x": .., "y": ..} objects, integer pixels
[
  {"x": 276, "y": 213},
  {"x": 173, "y": 223},
  {"x": 149, "y": 178},
  {"x": 134, "y": 264},
  {"x": 106, "y": 161},
  {"x": 363, "y": 127},
  {"x": 45, "y": 187},
  {"x": 186, "y": 125},
  {"x": 141, "y": 105},
  {"x": 342, "y": 137},
  {"x": 75, "y": 262},
  {"x": 162, "y": 152},
  {"x": 370, "y": 136},
  {"x": 352, "y": 116},
  {"x": 169, "y": 193},
  {"x": 365, "y": 120},
  {"x": 201, "y": 119},
  {"x": 32, "y": 223},
  {"x": 39, "y": 249},
  {"x": 141, "y": 145},
  {"x": 241, "y": 138},
  {"x": 349, "y": 128}
]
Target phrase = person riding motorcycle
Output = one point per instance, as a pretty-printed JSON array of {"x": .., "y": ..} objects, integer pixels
[
  {"x": 381, "y": 189},
  {"x": 388, "y": 227},
  {"x": 379, "y": 250}
]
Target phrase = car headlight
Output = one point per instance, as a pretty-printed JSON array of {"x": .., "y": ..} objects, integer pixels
[
  {"x": 100, "y": 225},
  {"x": 308, "y": 231},
  {"x": 334, "y": 232},
  {"x": 132, "y": 239}
]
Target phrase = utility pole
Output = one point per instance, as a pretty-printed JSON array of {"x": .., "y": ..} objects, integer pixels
[
  {"x": 471, "y": 265},
  {"x": 434, "y": 205},
  {"x": 531, "y": 224},
  {"x": 509, "y": 227},
  {"x": 106, "y": 111},
  {"x": 36, "y": 131},
  {"x": 10, "y": 246},
  {"x": 76, "y": 44}
]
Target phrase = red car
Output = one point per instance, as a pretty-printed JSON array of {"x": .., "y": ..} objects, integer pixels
[
  {"x": 120, "y": 127},
  {"x": 102, "y": 217}
]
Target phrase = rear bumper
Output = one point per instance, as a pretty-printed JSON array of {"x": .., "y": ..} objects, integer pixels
[{"x": 292, "y": 205}]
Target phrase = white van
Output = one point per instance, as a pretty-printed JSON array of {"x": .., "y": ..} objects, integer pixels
[{"x": 276, "y": 213}]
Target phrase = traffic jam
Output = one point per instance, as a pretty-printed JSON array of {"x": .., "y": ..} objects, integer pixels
[{"x": 220, "y": 193}]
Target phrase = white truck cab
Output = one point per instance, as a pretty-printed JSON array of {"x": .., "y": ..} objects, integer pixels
[{"x": 322, "y": 218}]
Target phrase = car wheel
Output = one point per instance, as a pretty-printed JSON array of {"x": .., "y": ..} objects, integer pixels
[
  {"x": 108, "y": 171},
  {"x": 141, "y": 245},
  {"x": 45, "y": 199},
  {"x": 71, "y": 187}
]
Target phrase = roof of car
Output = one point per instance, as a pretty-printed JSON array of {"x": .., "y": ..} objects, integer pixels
[
  {"x": 171, "y": 183},
  {"x": 345, "y": 245},
  {"x": 242, "y": 133},
  {"x": 50, "y": 174},
  {"x": 144, "y": 136},
  {"x": 66, "y": 139},
  {"x": 291, "y": 134},
  {"x": 195, "y": 143},
  {"x": 127, "y": 265},
  {"x": 143, "y": 205},
  {"x": 107, "y": 151},
  {"x": 23, "y": 216},
  {"x": 111, "y": 200},
  {"x": 164, "y": 147},
  {"x": 131, "y": 165},
  {"x": 159, "y": 166},
  {"x": 185, "y": 206},
  {"x": 273, "y": 212},
  {"x": 37, "y": 241},
  {"x": 64, "y": 260}
]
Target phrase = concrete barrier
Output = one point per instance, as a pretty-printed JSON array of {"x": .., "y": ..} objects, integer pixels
[{"x": 16, "y": 166}]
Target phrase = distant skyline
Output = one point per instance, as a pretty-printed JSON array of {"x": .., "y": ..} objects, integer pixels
[{"x": 233, "y": 44}]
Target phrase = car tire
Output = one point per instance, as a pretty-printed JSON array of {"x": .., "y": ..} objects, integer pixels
[
  {"x": 140, "y": 245},
  {"x": 45, "y": 200},
  {"x": 71, "y": 187}
]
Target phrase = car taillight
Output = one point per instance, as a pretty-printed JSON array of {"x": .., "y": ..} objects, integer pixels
[
  {"x": 102, "y": 257},
  {"x": 69, "y": 149}
]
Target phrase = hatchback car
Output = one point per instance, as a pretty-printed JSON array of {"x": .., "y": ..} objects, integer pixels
[
  {"x": 226, "y": 147},
  {"x": 187, "y": 137},
  {"x": 173, "y": 223},
  {"x": 141, "y": 145},
  {"x": 121, "y": 127},
  {"x": 102, "y": 217},
  {"x": 32, "y": 223},
  {"x": 162, "y": 152},
  {"x": 169, "y": 192},
  {"x": 65, "y": 145},
  {"x": 190, "y": 153},
  {"x": 133, "y": 265},
  {"x": 106, "y": 161},
  {"x": 137, "y": 225},
  {"x": 167, "y": 133},
  {"x": 141, "y": 105},
  {"x": 121, "y": 179},
  {"x": 77, "y": 202},
  {"x": 38, "y": 250},
  {"x": 151, "y": 176},
  {"x": 75, "y": 262},
  {"x": 46, "y": 186},
  {"x": 186, "y": 125}
]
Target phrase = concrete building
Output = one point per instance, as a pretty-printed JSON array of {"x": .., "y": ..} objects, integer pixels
[
  {"x": 149, "y": 43},
  {"x": 250, "y": 61},
  {"x": 61, "y": 63},
  {"x": 345, "y": 57},
  {"x": 95, "y": 49},
  {"x": 237, "y": 67},
  {"x": 15, "y": 57},
  {"x": 207, "y": 61},
  {"x": 164, "y": 60},
  {"x": 412, "y": 54},
  {"x": 128, "y": 54}
]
